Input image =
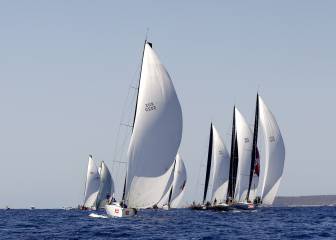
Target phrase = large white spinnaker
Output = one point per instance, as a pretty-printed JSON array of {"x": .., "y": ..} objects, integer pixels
[
  {"x": 244, "y": 141},
  {"x": 106, "y": 188},
  {"x": 221, "y": 168},
  {"x": 156, "y": 134},
  {"x": 275, "y": 154},
  {"x": 92, "y": 185}
]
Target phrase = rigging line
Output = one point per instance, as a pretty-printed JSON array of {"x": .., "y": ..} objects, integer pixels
[{"x": 123, "y": 113}]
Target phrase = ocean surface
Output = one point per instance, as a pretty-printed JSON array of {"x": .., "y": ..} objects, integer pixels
[{"x": 263, "y": 223}]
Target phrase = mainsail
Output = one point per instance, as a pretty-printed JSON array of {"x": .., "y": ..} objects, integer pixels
[
  {"x": 208, "y": 166},
  {"x": 275, "y": 154},
  {"x": 221, "y": 167},
  {"x": 106, "y": 188},
  {"x": 92, "y": 184},
  {"x": 233, "y": 160},
  {"x": 254, "y": 170},
  {"x": 156, "y": 136},
  {"x": 244, "y": 141}
]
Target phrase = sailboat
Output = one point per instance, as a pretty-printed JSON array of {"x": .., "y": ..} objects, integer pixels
[
  {"x": 178, "y": 184},
  {"x": 91, "y": 186},
  {"x": 274, "y": 148},
  {"x": 219, "y": 162},
  {"x": 155, "y": 139},
  {"x": 240, "y": 162},
  {"x": 221, "y": 170},
  {"x": 106, "y": 186}
]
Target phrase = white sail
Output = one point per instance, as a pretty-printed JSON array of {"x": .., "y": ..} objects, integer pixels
[
  {"x": 178, "y": 201},
  {"x": 244, "y": 141},
  {"x": 221, "y": 168},
  {"x": 180, "y": 178},
  {"x": 156, "y": 135},
  {"x": 178, "y": 183},
  {"x": 92, "y": 185},
  {"x": 275, "y": 154},
  {"x": 106, "y": 188}
]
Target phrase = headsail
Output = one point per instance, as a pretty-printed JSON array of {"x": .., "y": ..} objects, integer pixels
[
  {"x": 156, "y": 134},
  {"x": 106, "y": 188},
  {"x": 221, "y": 168},
  {"x": 92, "y": 184},
  {"x": 180, "y": 178},
  {"x": 178, "y": 184},
  {"x": 244, "y": 141},
  {"x": 275, "y": 154}
]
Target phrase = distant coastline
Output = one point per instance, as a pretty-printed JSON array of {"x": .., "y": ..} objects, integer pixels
[{"x": 314, "y": 200}]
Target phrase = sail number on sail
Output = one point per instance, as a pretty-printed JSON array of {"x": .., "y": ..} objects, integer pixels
[{"x": 150, "y": 107}]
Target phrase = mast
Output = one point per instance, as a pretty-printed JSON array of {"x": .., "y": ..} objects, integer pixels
[
  {"x": 136, "y": 105},
  {"x": 233, "y": 159},
  {"x": 254, "y": 146},
  {"x": 207, "y": 175}
]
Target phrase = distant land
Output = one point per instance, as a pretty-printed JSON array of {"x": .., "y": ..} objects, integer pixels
[{"x": 324, "y": 200}]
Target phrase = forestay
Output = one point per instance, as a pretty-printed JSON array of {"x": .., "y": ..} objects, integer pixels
[
  {"x": 275, "y": 154},
  {"x": 156, "y": 134}
]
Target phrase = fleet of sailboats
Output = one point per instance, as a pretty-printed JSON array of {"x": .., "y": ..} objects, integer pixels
[{"x": 156, "y": 174}]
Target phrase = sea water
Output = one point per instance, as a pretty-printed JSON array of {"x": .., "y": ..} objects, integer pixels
[{"x": 263, "y": 223}]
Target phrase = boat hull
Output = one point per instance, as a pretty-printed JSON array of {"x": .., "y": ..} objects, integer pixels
[
  {"x": 118, "y": 211},
  {"x": 220, "y": 207},
  {"x": 244, "y": 206}
]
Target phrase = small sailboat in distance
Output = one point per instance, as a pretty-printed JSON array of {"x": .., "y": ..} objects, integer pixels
[
  {"x": 219, "y": 161},
  {"x": 91, "y": 186},
  {"x": 106, "y": 186},
  {"x": 178, "y": 184},
  {"x": 155, "y": 139}
]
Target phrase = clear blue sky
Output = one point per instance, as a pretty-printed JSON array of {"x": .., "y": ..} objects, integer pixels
[{"x": 65, "y": 69}]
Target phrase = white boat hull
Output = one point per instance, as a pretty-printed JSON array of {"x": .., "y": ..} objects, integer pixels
[
  {"x": 244, "y": 206},
  {"x": 118, "y": 211}
]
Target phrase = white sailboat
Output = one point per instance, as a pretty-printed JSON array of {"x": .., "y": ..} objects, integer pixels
[
  {"x": 244, "y": 144},
  {"x": 91, "y": 186},
  {"x": 219, "y": 163},
  {"x": 221, "y": 167},
  {"x": 106, "y": 188},
  {"x": 156, "y": 136},
  {"x": 275, "y": 153},
  {"x": 178, "y": 184},
  {"x": 240, "y": 162}
]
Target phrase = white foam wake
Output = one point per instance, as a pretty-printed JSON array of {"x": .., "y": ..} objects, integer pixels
[{"x": 94, "y": 215}]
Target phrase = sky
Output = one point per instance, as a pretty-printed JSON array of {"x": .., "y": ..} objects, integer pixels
[{"x": 66, "y": 68}]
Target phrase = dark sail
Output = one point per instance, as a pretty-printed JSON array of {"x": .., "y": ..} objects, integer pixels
[
  {"x": 233, "y": 160},
  {"x": 124, "y": 188},
  {"x": 207, "y": 175},
  {"x": 254, "y": 148}
]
